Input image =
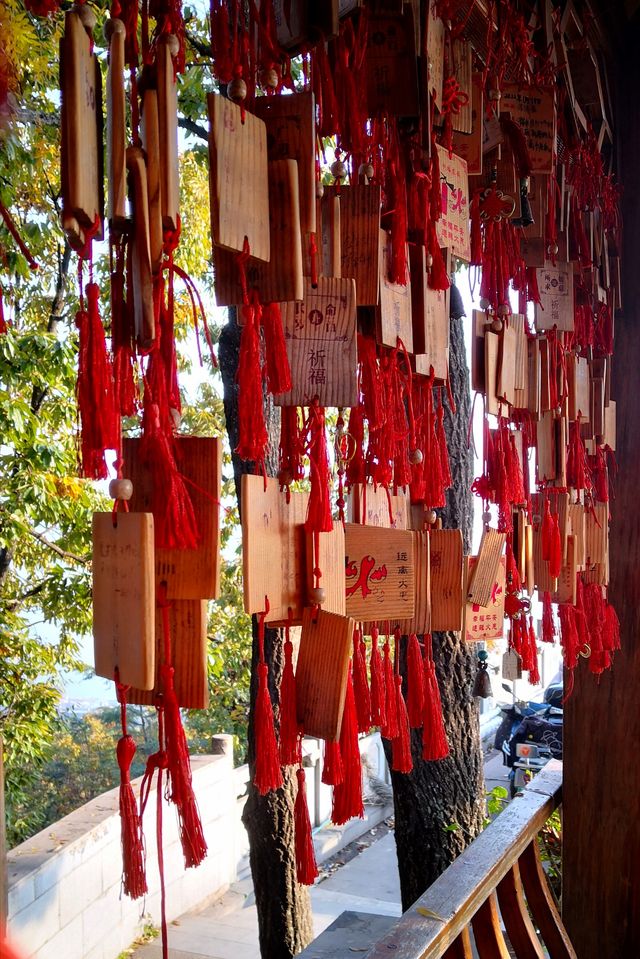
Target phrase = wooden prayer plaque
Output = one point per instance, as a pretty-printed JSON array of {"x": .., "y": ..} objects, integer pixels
[
  {"x": 379, "y": 573},
  {"x": 468, "y": 146},
  {"x": 322, "y": 672},
  {"x": 393, "y": 316},
  {"x": 556, "y": 297},
  {"x": 609, "y": 436},
  {"x": 281, "y": 279},
  {"x": 491, "y": 356},
  {"x": 506, "y": 382},
  {"x": 123, "y": 598},
  {"x": 188, "y": 573},
  {"x": 188, "y": 631},
  {"x": 81, "y": 122},
  {"x": 421, "y": 621},
  {"x": 360, "y": 240},
  {"x": 429, "y": 317},
  {"x": 375, "y": 506},
  {"x": 447, "y": 601},
  {"x": 453, "y": 226},
  {"x": 330, "y": 561},
  {"x": 462, "y": 55},
  {"x": 529, "y": 562},
  {"x": 533, "y": 376},
  {"x": 168, "y": 128},
  {"x": 391, "y": 65},
  {"x": 533, "y": 109},
  {"x": 150, "y": 131},
  {"x": 544, "y": 582},
  {"x": 478, "y": 329},
  {"x": 486, "y": 622},
  {"x": 238, "y": 179},
  {"x": 433, "y": 56},
  {"x": 484, "y": 571},
  {"x": 140, "y": 251},
  {"x": 567, "y": 581},
  {"x": 291, "y": 135},
  {"x": 511, "y": 665},
  {"x": 328, "y": 235},
  {"x": 116, "y": 130},
  {"x": 320, "y": 334},
  {"x": 546, "y": 447},
  {"x": 596, "y": 534},
  {"x": 577, "y": 529}
]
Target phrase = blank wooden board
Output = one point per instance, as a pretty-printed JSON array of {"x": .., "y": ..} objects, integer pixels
[
  {"x": 555, "y": 309},
  {"x": 577, "y": 529},
  {"x": 291, "y": 135},
  {"x": 329, "y": 238},
  {"x": 506, "y": 382},
  {"x": 393, "y": 315},
  {"x": 188, "y": 573},
  {"x": 391, "y": 66},
  {"x": 567, "y": 580},
  {"x": 150, "y": 132},
  {"x": 238, "y": 180},
  {"x": 322, "y": 671},
  {"x": 420, "y": 623},
  {"x": 282, "y": 277},
  {"x": 447, "y": 602},
  {"x": 379, "y": 573},
  {"x": 139, "y": 250},
  {"x": 578, "y": 384},
  {"x": 374, "y": 506},
  {"x": 188, "y": 631},
  {"x": 330, "y": 561},
  {"x": 543, "y": 581},
  {"x": 123, "y": 598},
  {"x": 321, "y": 339},
  {"x": 360, "y": 240},
  {"x": 168, "y": 128},
  {"x": 486, "y": 622},
  {"x": 596, "y": 534},
  {"x": 429, "y": 318},
  {"x": 545, "y": 447},
  {"x": 483, "y": 573},
  {"x": 491, "y": 355},
  {"x": 116, "y": 131}
]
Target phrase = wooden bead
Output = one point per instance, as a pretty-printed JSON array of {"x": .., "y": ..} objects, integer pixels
[
  {"x": 271, "y": 79},
  {"x": 368, "y": 170},
  {"x": 112, "y": 27},
  {"x": 415, "y": 457},
  {"x": 503, "y": 310},
  {"x": 429, "y": 261},
  {"x": 319, "y": 190},
  {"x": 496, "y": 326},
  {"x": 536, "y": 519},
  {"x": 317, "y": 596},
  {"x": 495, "y": 95},
  {"x": 486, "y": 517},
  {"x": 237, "y": 90},
  {"x": 121, "y": 489},
  {"x": 485, "y": 304},
  {"x": 338, "y": 169},
  {"x": 86, "y": 14},
  {"x": 553, "y": 249},
  {"x": 174, "y": 45},
  {"x": 431, "y": 517},
  {"x": 285, "y": 478}
]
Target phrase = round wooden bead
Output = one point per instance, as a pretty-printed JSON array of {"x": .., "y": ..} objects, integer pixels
[
  {"x": 495, "y": 95},
  {"x": 485, "y": 303},
  {"x": 558, "y": 411},
  {"x": 486, "y": 517},
  {"x": 271, "y": 79},
  {"x": 429, "y": 261},
  {"x": 237, "y": 90},
  {"x": 317, "y": 596},
  {"x": 415, "y": 457},
  {"x": 86, "y": 14},
  {"x": 338, "y": 169},
  {"x": 176, "y": 418},
  {"x": 536, "y": 519},
  {"x": 553, "y": 249},
  {"x": 496, "y": 326},
  {"x": 503, "y": 310},
  {"x": 285, "y": 477},
  {"x": 431, "y": 517},
  {"x": 369, "y": 171},
  {"x": 174, "y": 45},
  {"x": 121, "y": 489},
  {"x": 112, "y": 27},
  {"x": 319, "y": 190}
]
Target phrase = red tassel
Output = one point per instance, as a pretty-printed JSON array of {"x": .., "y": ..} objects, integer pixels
[
  {"x": 347, "y": 795},
  {"x": 252, "y": 430},
  {"x": 275, "y": 350},
  {"x": 476, "y": 231},
  {"x": 401, "y": 747},
  {"x": 569, "y": 635},
  {"x": 390, "y": 730},
  {"x": 415, "y": 682},
  {"x": 547, "y": 531},
  {"x": 289, "y": 744},
  {"x": 122, "y": 338},
  {"x": 532, "y": 656},
  {"x": 518, "y": 143},
  {"x": 306, "y": 868},
  {"x": 434, "y": 737},
  {"x": 268, "y": 775},
  {"x": 95, "y": 391},
  {"x": 134, "y": 881},
  {"x": 438, "y": 278},
  {"x": 548, "y": 624},
  {"x": 291, "y": 446},
  {"x": 360, "y": 684},
  {"x": 611, "y": 628},
  {"x": 332, "y": 769},
  {"x": 319, "y": 519},
  {"x": 3, "y": 322},
  {"x": 356, "y": 464},
  {"x": 378, "y": 699}
]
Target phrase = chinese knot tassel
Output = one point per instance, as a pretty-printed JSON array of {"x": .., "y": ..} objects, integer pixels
[
  {"x": 134, "y": 881},
  {"x": 548, "y": 625},
  {"x": 434, "y": 737},
  {"x": 415, "y": 682},
  {"x": 347, "y": 795},
  {"x": 319, "y": 519},
  {"x": 289, "y": 748},
  {"x": 94, "y": 390},
  {"x": 401, "y": 745},
  {"x": 268, "y": 775},
  {"x": 277, "y": 361},
  {"x": 252, "y": 429},
  {"x": 306, "y": 868},
  {"x": 390, "y": 729},
  {"x": 378, "y": 710},
  {"x": 360, "y": 684},
  {"x": 332, "y": 769}
]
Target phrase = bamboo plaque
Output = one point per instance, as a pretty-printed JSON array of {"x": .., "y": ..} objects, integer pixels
[
  {"x": 123, "y": 598},
  {"x": 483, "y": 573},
  {"x": 567, "y": 580},
  {"x": 447, "y": 604},
  {"x": 238, "y": 180},
  {"x": 491, "y": 361},
  {"x": 393, "y": 316},
  {"x": 430, "y": 318},
  {"x": 360, "y": 240},
  {"x": 421, "y": 621},
  {"x": 168, "y": 129},
  {"x": 116, "y": 130},
  {"x": 379, "y": 573},
  {"x": 188, "y": 573},
  {"x": 140, "y": 251},
  {"x": 150, "y": 130},
  {"x": 322, "y": 671},
  {"x": 506, "y": 382},
  {"x": 188, "y": 631},
  {"x": 320, "y": 335},
  {"x": 375, "y": 506}
]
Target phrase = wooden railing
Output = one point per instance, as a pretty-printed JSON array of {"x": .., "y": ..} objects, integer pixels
[{"x": 497, "y": 884}]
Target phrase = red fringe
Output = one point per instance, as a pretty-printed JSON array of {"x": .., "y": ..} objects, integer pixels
[
  {"x": 268, "y": 775},
  {"x": 289, "y": 744},
  {"x": 291, "y": 445},
  {"x": 306, "y": 868},
  {"x": 415, "y": 683},
  {"x": 555, "y": 552},
  {"x": 445, "y": 469},
  {"x": 390, "y": 730},
  {"x": 319, "y": 519},
  {"x": 275, "y": 350},
  {"x": 434, "y": 736},
  {"x": 548, "y": 624},
  {"x": 360, "y": 683},
  {"x": 134, "y": 881},
  {"x": 100, "y": 425},
  {"x": 252, "y": 429},
  {"x": 332, "y": 770},
  {"x": 401, "y": 745},
  {"x": 378, "y": 698},
  {"x": 347, "y": 795}
]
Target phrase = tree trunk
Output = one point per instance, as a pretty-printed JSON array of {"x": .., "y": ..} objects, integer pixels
[
  {"x": 284, "y": 909},
  {"x": 439, "y": 806}
]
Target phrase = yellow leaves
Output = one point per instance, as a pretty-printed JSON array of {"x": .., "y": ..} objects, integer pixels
[
  {"x": 66, "y": 487},
  {"x": 194, "y": 252}
]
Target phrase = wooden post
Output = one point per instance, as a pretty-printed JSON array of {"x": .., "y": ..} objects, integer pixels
[
  {"x": 601, "y": 835},
  {"x": 4, "y": 879}
]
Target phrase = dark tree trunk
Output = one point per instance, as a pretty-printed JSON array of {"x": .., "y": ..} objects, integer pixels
[
  {"x": 439, "y": 807},
  {"x": 284, "y": 909}
]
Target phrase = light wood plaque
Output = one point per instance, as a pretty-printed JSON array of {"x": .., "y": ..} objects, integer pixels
[
  {"x": 447, "y": 602},
  {"x": 322, "y": 671},
  {"x": 379, "y": 573}
]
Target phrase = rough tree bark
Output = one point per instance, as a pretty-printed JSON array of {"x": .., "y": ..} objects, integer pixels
[
  {"x": 447, "y": 793},
  {"x": 284, "y": 910}
]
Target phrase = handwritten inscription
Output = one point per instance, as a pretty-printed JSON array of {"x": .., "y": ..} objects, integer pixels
[
  {"x": 453, "y": 226},
  {"x": 533, "y": 109},
  {"x": 556, "y": 297}
]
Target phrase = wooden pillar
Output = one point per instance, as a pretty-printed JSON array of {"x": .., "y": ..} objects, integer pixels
[
  {"x": 601, "y": 791},
  {"x": 4, "y": 879}
]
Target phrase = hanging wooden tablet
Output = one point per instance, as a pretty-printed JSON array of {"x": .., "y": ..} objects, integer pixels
[
  {"x": 484, "y": 571},
  {"x": 533, "y": 376},
  {"x": 555, "y": 309},
  {"x": 530, "y": 579},
  {"x": 511, "y": 665},
  {"x": 482, "y": 623},
  {"x": 429, "y": 317},
  {"x": 360, "y": 239},
  {"x": 462, "y": 55},
  {"x": 140, "y": 251},
  {"x": 420, "y": 623},
  {"x": 330, "y": 561},
  {"x": 567, "y": 580},
  {"x": 81, "y": 122},
  {"x": 124, "y": 598},
  {"x": 321, "y": 672},
  {"x": 453, "y": 226},
  {"x": 321, "y": 335},
  {"x": 546, "y": 447},
  {"x": 238, "y": 180},
  {"x": 292, "y": 22},
  {"x": 545, "y": 374},
  {"x": 375, "y": 506},
  {"x": 519, "y": 544},
  {"x": 506, "y": 378},
  {"x": 433, "y": 58},
  {"x": 447, "y": 601},
  {"x": 491, "y": 355},
  {"x": 393, "y": 315},
  {"x": 291, "y": 135},
  {"x": 533, "y": 108},
  {"x": 544, "y": 582},
  {"x": 379, "y": 573},
  {"x": 168, "y": 127},
  {"x": 391, "y": 65},
  {"x": 282, "y": 277},
  {"x": 480, "y": 322},
  {"x": 597, "y": 406},
  {"x": 188, "y": 630},
  {"x": 116, "y": 129},
  {"x": 150, "y": 132},
  {"x": 577, "y": 529},
  {"x": 328, "y": 236},
  {"x": 596, "y": 534},
  {"x": 468, "y": 146},
  {"x": 609, "y": 436},
  {"x": 188, "y": 573}
]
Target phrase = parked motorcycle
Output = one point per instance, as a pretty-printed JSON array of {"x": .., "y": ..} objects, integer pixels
[{"x": 529, "y": 735}]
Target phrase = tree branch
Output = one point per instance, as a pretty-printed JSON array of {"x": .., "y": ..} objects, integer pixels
[
  {"x": 73, "y": 557},
  {"x": 38, "y": 394},
  {"x": 192, "y": 127},
  {"x": 200, "y": 46}
]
